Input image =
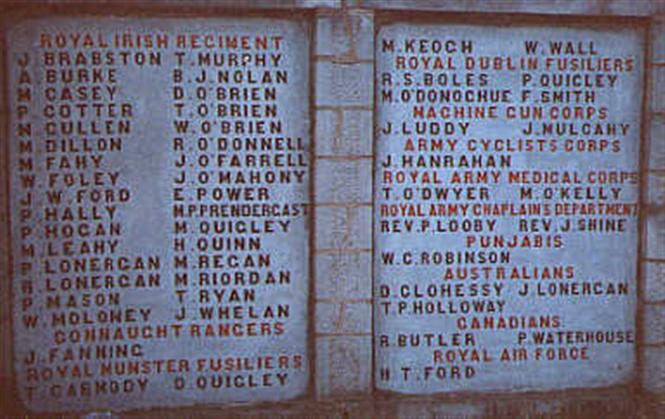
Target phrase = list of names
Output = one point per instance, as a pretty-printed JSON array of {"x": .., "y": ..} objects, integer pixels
[
  {"x": 160, "y": 173},
  {"x": 506, "y": 199}
]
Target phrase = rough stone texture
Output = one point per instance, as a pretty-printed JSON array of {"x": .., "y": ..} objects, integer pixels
[
  {"x": 613, "y": 404},
  {"x": 656, "y": 191},
  {"x": 521, "y": 6},
  {"x": 655, "y": 235},
  {"x": 344, "y": 133},
  {"x": 357, "y": 129},
  {"x": 506, "y": 406},
  {"x": 344, "y": 92},
  {"x": 246, "y": 4},
  {"x": 341, "y": 84},
  {"x": 654, "y": 373},
  {"x": 343, "y": 317},
  {"x": 430, "y": 409},
  {"x": 345, "y": 35},
  {"x": 343, "y": 181},
  {"x": 653, "y": 376},
  {"x": 343, "y": 275},
  {"x": 658, "y": 41},
  {"x": 327, "y": 132},
  {"x": 658, "y": 88},
  {"x": 5, "y": 360},
  {"x": 565, "y": 7},
  {"x": 343, "y": 367},
  {"x": 630, "y": 8},
  {"x": 657, "y": 144},
  {"x": 8, "y": 396},
  {"x": 654, "y": 273},
  {"x": 654, "y": 324},
  {"x": 5, "y": 284},
  {"x": 343, "y": 228},
  {"x": 318, "y": 3}
]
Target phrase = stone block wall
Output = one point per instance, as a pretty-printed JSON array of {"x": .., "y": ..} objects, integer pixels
[
  {"x": 342, "y": 108},
  {"x": 653, "y": 259}
]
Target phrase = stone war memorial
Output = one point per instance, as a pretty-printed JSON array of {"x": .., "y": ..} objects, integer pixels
[{"x": 333, "y": 208}]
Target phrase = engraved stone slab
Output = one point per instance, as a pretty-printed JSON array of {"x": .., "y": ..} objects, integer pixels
[
  {"x": 506, "y": 199},
  {"x": 159, "y": 184}
]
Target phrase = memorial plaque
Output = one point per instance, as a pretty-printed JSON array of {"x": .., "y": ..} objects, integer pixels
[
  {"x": 506, "y": 192},
  {"x": 159, "y": 184}
]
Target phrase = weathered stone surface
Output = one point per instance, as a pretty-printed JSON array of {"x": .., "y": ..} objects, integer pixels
[
  {"x": 655, "y": 240},
  {"x": 342, "y": 317},
  {"x": 343, "y": 228},
  {"x": 630, "y": 8},
  {"x": 343, "y": 367},
  {"x": 345, "y": 35},
  {"x": 658, "y": 89},
  {"x": 343, "y": 133},
  {"x": 319, "y": 3},
  {"x": 654, "y": 324},
  {"x": 654, "y": 273},
  {"x": 656, "y": 191},
  {"x": 327, "y": 131},
  {"x": 343, "y": 275},
  {"x": 518, "y": 6},
  {"x": 431, "y": 409},
  {"x": 656, "y": 158},
  {"x": 344, "y": 84},
  {"x": 654, "y": 371},
  {"x": 207, "y": 4},
  {"x": 658, "y": 41},
  {"x": 357, "y": 129},
  {"x": 6, "y": 371},
  {"x": 343, "y": 181}
]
